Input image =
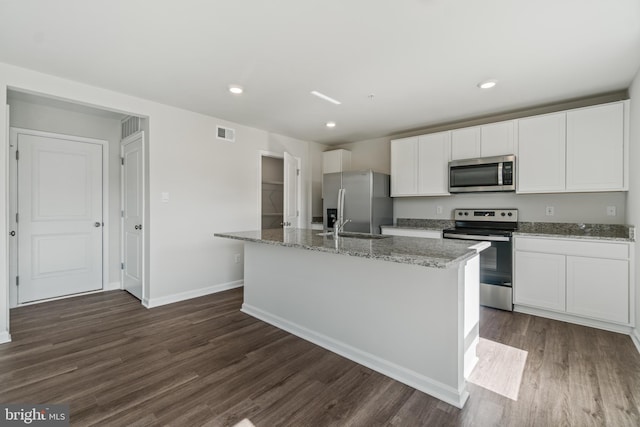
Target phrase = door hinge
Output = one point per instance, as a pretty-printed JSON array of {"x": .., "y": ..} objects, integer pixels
[
  {"x": 122, "y": 214},
  {"x": 17, "y": 280},
  {"x": 17, "y": 155},
  {"x": 122, "y": 266},
  {"x": 297, "y": 172},
  {"x": 122, "y": 161},
  {"x": 17, "y": 217},
  {"x": 297, "y": 213}
]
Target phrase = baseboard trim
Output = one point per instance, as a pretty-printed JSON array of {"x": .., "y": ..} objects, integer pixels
[
  {"x": 621, "y": 329},
  {"x": 635, "y": 337},
  {"x": 5, "y": 337},
  {"x": 113, "y": 286},
  {"x": 392, "y": 370},
  {"x": 182, "y": 296}
]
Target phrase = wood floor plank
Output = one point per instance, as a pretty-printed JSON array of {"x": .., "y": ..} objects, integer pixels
[{"x": 202, "y": 362}]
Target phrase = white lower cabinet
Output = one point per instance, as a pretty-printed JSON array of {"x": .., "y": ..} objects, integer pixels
[
  {"x": 584, "y": 278},
  {"x": 540, "y": 280},
  {"x": 598, "y": 288}
]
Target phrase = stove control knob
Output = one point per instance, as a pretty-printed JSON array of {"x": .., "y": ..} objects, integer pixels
[
  {"x": 466, "y": 213},
  {"x": 459, "y": 213},
  {"x": 503, "y": 214},
  {"x": 510, "y": 213}
]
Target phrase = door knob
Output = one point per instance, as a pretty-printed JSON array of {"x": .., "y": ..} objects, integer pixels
[
  {"x": 96, "y": 224},
  {"x": 13, "y": 233},
  {"x": 138, "y": 227}
]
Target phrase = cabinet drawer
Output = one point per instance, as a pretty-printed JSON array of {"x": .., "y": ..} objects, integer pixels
[{"x": 573, "y": 247}]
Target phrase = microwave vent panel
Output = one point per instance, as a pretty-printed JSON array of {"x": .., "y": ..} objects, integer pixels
[{"x": 227, "y": 134}]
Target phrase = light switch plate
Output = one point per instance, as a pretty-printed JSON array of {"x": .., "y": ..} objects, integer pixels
[{"x": 165, "y": 197}]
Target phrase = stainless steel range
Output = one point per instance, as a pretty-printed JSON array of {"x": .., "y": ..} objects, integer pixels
[{"x": 495, "y": 226}]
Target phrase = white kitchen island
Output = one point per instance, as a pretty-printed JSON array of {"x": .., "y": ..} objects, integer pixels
[{"x": 403, "y": 306}]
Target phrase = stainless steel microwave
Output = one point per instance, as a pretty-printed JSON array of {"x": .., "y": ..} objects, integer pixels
[{"x": 483, "y": 174}]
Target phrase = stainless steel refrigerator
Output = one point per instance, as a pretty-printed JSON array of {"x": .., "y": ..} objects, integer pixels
[{"x": 367, "y": 202}]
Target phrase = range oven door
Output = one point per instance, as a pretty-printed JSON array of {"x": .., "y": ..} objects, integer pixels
[{"x": 496, "y": 270}]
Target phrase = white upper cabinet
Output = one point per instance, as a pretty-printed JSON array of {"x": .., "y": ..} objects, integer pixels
[
  {"x": 541, "y": 154},
  {"x": 495, "y": 139},
  {"x": 574, "y": 151},
  {"x": 404, "y": 167},
  {"x": 433, "y": 164},
  {"x": 336, "y": 161},
  {"x": 465, "y": 143},
  {"x": 578, "y": 150},
  {"x": 596, "y": 148},
  {"x": 419, "y": 165}
]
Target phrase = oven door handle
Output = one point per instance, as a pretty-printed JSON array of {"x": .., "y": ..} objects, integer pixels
[{"x": 475, "y": 237}]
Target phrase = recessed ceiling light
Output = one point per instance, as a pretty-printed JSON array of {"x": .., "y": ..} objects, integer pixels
[
  {"x": 487, "y": 84},
  {"x": 236, "y": 89},
  {"x": 325, "y": 97},
  {"x": 330, "y": 124}
]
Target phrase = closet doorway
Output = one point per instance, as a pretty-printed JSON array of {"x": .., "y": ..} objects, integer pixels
[
  {"x": 279, "y": 199},
  {"x": 272, "y": 192}
]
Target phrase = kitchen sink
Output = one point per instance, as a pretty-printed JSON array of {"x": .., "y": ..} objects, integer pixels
[{"x": 365, "y": 236}]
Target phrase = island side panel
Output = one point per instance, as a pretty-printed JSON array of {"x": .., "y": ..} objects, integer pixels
[{"x": 403, "y": 320}]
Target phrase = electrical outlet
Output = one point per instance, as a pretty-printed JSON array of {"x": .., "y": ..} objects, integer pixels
[
  {"x": 237, "y": 258},
  {"x": 611, "y": 211},
  {"x": 550, "y": 211},
  {"x": 439, "y": 210}
]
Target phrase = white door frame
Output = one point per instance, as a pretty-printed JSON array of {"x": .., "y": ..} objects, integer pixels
[
  {"x": 261, "y": 154},
  {"x": 144, "y": 301},
  {"x": 13, "y": 193}
]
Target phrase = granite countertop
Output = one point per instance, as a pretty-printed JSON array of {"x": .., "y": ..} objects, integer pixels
[
  {"x": 615, "y": 232},
  {"x": 437, "y": 253},
  {"x": 625, "y": 233}
]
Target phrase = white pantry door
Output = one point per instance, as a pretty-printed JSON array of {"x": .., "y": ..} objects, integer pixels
[
  {"x": 132, "y": 214},
  {"x": 291, "y": 187},
  {"x": 60, "y": 219}
]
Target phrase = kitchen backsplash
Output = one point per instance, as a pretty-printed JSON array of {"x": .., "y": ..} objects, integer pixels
[{"x": 567, "y": 207}]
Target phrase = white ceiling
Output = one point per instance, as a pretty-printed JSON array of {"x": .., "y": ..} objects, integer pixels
[{"x": 421, "y": 58}]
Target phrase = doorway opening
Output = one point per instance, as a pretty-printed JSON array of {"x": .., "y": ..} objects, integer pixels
[
  {"x": 272, "y": 187},
  {"x": 279, "y": 191},
  {"x": 61, "y": 138}
]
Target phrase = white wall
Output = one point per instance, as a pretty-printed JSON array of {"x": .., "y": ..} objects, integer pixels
[
  {"x": 47, "y": 118},
  {"x": 569, "y": 207},
  {"x": 633, "y": 199},
  {"x": 213, "y": 185},
  {"x": 370, "y": 154}
]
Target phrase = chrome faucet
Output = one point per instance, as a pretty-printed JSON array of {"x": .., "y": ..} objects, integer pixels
[{"x": 338, "y": 226}]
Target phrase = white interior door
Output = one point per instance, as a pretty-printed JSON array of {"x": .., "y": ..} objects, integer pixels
[
  {"x": 133, "y": 214},
  {"x": 60, "y": 216},
  {"x": 291, "y": 189}
]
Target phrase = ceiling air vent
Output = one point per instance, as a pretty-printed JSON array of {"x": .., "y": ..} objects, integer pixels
[
  {"x": 129, "y": 126},
  {"x": 227, "y": 134}
]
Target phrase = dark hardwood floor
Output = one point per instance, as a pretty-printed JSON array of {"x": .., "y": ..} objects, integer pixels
[{"x": 203, "y": 362}]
